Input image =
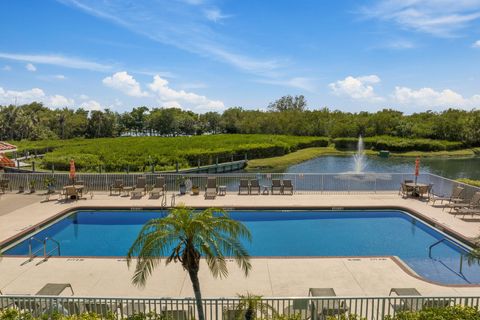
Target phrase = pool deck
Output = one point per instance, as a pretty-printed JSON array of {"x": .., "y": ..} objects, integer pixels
[{"x": 349, "y": 276}]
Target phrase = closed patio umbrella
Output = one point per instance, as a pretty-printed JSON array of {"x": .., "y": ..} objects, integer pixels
[
  {"x": 72, "y": 170},
  {"x": 417, "y": 169}
]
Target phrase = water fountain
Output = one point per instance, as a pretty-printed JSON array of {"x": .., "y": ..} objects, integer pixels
[{"x": 359, "y": 157}]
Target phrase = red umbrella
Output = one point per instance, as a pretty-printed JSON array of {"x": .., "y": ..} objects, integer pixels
[{"x": 72, "y": 170}]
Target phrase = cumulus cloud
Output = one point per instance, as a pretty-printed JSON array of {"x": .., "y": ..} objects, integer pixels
[
  {"x": 125, "y": 83},
  {"x": 358, "y": 88},
  {"x": 91, "y": 105},
  {"x": 30, "y": 67},
  {"x": 428, "y": 97},
  {"x": 170, "y": 97},
  {"x": 476, "y": 44},
  {"x": 34, "y": 94},
  {"x": 58, "y": 101}
]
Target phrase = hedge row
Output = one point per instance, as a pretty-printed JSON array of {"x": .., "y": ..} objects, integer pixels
[{"x": 398, "y": 144}]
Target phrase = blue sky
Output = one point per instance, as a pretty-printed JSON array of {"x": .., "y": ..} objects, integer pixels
[{"x": 208, "y": 55}]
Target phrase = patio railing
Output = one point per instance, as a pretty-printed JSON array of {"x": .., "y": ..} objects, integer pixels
[
  {"x": 303, "y": 183},
  {"x": 230, "y": 309}
]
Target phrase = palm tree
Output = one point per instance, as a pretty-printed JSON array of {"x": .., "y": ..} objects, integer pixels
[{"x": 185, "y": 235}]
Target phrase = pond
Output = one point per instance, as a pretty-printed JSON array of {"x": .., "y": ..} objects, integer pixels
[{"x": 452, "y": 168}]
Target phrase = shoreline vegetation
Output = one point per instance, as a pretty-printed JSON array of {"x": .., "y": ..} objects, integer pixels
[{"x": 264, "y": 152}]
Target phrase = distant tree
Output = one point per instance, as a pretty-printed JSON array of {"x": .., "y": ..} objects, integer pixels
[{"x": 289, "y": 103}]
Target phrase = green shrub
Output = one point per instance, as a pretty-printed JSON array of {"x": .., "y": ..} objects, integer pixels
[
  {"x": 448, "y": 313},
  {"x": 475, "y": 183},
  {"x": 398, "y": 144},
  {"x": 139, "y": 153}
]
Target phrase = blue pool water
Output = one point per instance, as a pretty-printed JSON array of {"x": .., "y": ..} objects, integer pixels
[{"x": 282, "y": 233}]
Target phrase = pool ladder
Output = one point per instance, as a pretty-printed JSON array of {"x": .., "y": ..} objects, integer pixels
[
  {"x": 452, "y": 242},
  {"x": 46, "y": 254}
]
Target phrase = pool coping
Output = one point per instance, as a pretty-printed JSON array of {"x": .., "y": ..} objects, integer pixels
[{"x": 399, "y": 262}]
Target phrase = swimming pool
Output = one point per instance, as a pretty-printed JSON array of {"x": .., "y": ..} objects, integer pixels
[{"x": 289, "y": 233}]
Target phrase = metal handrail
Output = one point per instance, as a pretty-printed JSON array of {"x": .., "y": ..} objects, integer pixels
[
  {"x": 452, "y": 242},
  {"x": 46, "y": 254},
  {"x": 31, "y": 254}
]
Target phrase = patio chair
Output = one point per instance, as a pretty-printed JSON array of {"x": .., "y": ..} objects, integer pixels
[
  {"x": 140, "y": 188},
  {"x": 211, "y": 188},
  {"x": 326, "y": 308},
  {"x": 243, "y": 188},
  {"x": 405, "y": 190},
  {"x": 4, "y": 185},
  {"x": 473, "y": 204},
  {"x": 117, "y": 186},
  {"x": 159, "y": 188},
  {"x": 424, "y": 192},
  {"x": 287, "y": 187},
  {"x": 276, "y": 186},
  {"x": 71, "y": 193},
  {"x": 456, "y": 196},
  {"x": 254, "y": 187}
]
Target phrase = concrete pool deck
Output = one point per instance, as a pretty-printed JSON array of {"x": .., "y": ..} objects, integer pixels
[{"x": 270, "y": 276}]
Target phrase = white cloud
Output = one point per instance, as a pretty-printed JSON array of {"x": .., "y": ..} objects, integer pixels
[
  {"x": 83, "y": 97},
  {"x": 91, "y": 105},
  {"x": 444, "y": 18},
  {"x": 125, "y": 83},
  {"x": 58, "y": 101},
  {"x": 57, "y": 60},
  {"x": 428, "y": 97},
  {"x": 170, "y": 97},
  {"x": 358, "y": 88},
  {"x": 21, "y": 97},
  {"x": 60, "y": 77},
  {"x": 33, "y": 95},
  {"x": 215, "y": 15},
  {"x": 30, "y": 67},
  {"x": 7, "y": 68},
  {"x": 476, "y": 44}
]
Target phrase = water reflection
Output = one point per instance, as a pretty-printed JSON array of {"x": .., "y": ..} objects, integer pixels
[{"x": 446, "y": 167}]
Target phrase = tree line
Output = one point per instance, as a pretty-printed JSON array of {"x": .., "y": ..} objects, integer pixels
[{"x": 288, "y": 115}]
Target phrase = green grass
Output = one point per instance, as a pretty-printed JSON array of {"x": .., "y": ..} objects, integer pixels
[
  {"x": 475, "y": 183},
  {"x": 137, "y": 153}
]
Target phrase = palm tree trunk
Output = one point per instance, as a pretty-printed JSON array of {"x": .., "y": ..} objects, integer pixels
[{"x": 198, "y": 294}]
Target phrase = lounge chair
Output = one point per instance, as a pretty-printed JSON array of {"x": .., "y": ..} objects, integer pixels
[
  {"x": 102, "y": 308},
  {"x": 299, "y": 307},
  {"x": 326, "y": 308},
  {"x": 233, "y": 314},
  {"x": 211, "y": 188},
  {"x": 54, "y": 289},
  {"x": 456, "y": 196},
  {"x": 276, "y": 186},
  {"x": 243, "y": 188},
  {"x": 116, "y": 187},
  {"x": 140, "y": 188},
  {"x": 159, "y": 188},
  {"x": 415, "y": 303},
  {"x": 473, "y": 204},
  {"x": 174, "y": 314},
  {"x": 287, "y": 187},
  {"x": 254, "y": 187},
  {"x": 4, "y": 185}
]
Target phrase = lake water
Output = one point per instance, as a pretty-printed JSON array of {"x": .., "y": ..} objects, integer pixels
[{"x": 446, "y": 167}]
